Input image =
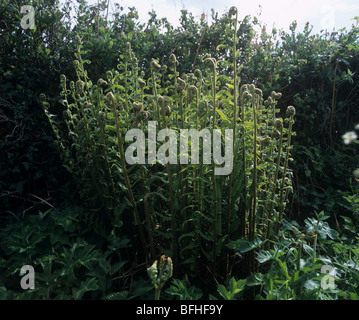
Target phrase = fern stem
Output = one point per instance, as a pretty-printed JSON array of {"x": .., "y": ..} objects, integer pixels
[
  {"x": 254, "y": 210},
  {"x": 215, "y": 192},
  {"x": 282, "y": 195},
  {"x": 234, "y": 131},
  {"x": 126, "y": 178},
  {"x": 275, "y": 178},
  {"x": 172, "y": 210},
  {"x": 155, "y": 102},
  {"x": 148, "y": 221}
]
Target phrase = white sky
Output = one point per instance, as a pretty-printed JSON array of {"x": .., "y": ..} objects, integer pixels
[{"x": 322, "y": 14}]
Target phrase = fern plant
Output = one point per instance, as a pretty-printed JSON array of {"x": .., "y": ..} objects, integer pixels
[{"x": 183, "y": 210}]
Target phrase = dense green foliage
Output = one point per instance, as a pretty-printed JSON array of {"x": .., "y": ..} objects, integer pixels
[{"x": 91, "y": 224}]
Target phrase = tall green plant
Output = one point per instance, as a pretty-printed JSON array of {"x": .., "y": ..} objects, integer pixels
[{"x": 188, "y": 212}]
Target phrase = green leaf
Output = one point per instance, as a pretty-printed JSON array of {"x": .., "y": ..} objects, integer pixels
[
  {"x": 122, "y": 295},
  {"x": 283, "y": 268},
  {"x": 235, "y": 287},
  {"x": 116, "y": 267},
  {"x": 310, "y": 284},
  {"x": 244, "y": 245},
  {"x": 222, "y": 115},
  {"x": 224, "y": 292},
  {"x": 230, "y": 86},
  {"x": 90, "y": 284},
  {"x": 255, "y": 279},
  {"x": 353, "y": 296},
  {"x": 308, "y": 249},
  {"x": 295, "y": 277},
  {"x": 265, "y": 256}
]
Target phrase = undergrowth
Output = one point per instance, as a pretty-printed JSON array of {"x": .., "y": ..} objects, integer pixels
[{"x": 225, "y": 235}]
